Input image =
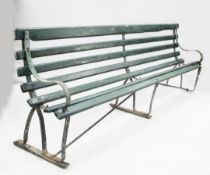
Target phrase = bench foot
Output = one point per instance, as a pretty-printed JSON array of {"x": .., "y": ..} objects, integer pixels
[
  {"x": 135, "y": 112},
  {"x": 172, "y": 86},
  {"x": 46, "y": 156}
]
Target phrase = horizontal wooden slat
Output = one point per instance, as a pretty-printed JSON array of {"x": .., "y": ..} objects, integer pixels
[
  {"x": 92, "y": 96},
  {"x": 95, "y": 84},
  {"x": 90, "y": 46},
  {"x": 23, "y": 71},
  {"x": 72, "y": 32},
  {"x": 82, "y": 74},
  {"x": 108, "y": 80},
  {"x": 124, "y": 90}
]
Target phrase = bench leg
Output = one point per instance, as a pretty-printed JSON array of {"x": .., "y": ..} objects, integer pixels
[
  {"x": 181, "y": 80},
  {"x": 137, "y": 112},
  {"x": 196, "y": 80},
  {"x": 27, "y": 126},
  {"x": 42, "y": 129},
  {"x": 43, "y": 153},
  {"x": 64, "y": 139}
]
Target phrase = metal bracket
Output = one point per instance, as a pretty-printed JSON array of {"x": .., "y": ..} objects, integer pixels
[
  {"x": 53, "y": 158},
  {"x": 189, "y": 50},
  {"x": 186, "y": 89},
  {"x": 46, "y": 156},
  {"x": 35, "y": 74},
  {"x": 92, "y": 126},
  {"x": 134, "y": 111}
]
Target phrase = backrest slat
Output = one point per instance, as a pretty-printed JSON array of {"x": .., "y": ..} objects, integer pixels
[
  {"x": 73, "y": 32},
  {"x": 80, "y": 55},
  {"x": 82, "y": 74},
  {"x": 98, "y": 83},
  {"x": 90, "y": 46},
  {"x": 23, "y": 71}
]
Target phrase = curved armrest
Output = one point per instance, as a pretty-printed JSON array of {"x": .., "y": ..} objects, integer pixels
[
  {"x": 187, "y": 50},
  {"x": 37, "y": 77}
]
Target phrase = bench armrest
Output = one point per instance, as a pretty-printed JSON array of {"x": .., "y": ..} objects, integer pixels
[
  {"x": 37, "y": 77},
  {"x": 189, "y": 50},
  {"x": 197, "y": 51}
]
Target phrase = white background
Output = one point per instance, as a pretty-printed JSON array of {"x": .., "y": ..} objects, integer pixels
[{"x": 174, "y": 141}]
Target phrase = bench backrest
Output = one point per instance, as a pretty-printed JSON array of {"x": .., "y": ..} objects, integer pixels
[{"x": 100, "y": 53}]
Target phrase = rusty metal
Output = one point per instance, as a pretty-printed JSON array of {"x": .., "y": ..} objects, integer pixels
[
  {"x": 93, "y": 125},
  {"x": 37, "y": 77},
  {"x": 64, "y": 139},
  {"x": 134, "y": 101},
  {"x": 27, "y": 126},
  {"x": 190, "y": 50},
  {"x": 137, "y": 112},
  {"x": 127, "y": 70},
  {"x": 42, "y": 129},
  {"x": 174, "y": 42},
  {"x": 152, "y": 98},
  {"x": 186, "y": 89},
  {"x": 46, "y": 156},
  {"x": 196, "y": 80},
  {"x": 167, "y": 81},
  {"x": 132, "y": 111},
  {"x": 177, "y": 87}
]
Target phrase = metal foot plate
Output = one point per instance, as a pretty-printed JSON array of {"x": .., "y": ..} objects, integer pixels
[
  {"x": 135, "y": 112},
  {"x": 46, "y": 156}
]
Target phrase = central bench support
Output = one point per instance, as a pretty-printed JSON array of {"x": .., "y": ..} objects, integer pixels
[
  {"x": 134, "y": 111},
  {"x": 181, "y": 87},
  {"x": 65, "y": 134},
  {"x": 91, "y": 126},
  {"x": 131, "y": 111}
]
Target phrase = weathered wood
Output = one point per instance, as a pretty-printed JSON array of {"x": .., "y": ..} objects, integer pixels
[
  {"x": 93, "y": 96},
  {"x": 73, "y": 32},
  {"x": 23, "y": 71},
  {"x": 82, "y": 74},
  {"x": 53, "y": 108},
  {"x": 95, "y": 84},
  {"x": 128, "y": 88},
  {"x": 90, "y": 46}
]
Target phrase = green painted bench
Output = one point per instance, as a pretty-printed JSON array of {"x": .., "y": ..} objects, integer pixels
[{"x": 145, "y": 57}]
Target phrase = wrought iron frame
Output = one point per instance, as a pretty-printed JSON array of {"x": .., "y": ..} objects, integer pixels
[
  {"x": 53, "y": 158},
  {"x": 181, "y": 76}
]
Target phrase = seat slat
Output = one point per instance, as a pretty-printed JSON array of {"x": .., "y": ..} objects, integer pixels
[
  {"x": 90, "y": 46},
  {"x": 92, "y": 96},
  {"x": 126, "y": 89},
  {"x": 23, "y": 71},
  {"x": 82, "y": 74},
  {"x": 95, "y": 84},
  {"x": 73, "y": 32}
]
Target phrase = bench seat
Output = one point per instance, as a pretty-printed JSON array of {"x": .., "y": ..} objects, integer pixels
[
  {"x": 90, "y": 101},
  {"x": 110, "y": 94}
]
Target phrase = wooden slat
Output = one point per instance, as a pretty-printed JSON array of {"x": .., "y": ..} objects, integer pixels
[
  {"x": 92, "y": 96},
  {"x": 23, "y": 71},
  {"x": 95, "y": 84},
  {"x": 82, "y": 74},
  {"x": 126, "y": 89},
  {"x": 73, "y": 32},
  {"x": 90, "y": 46}
]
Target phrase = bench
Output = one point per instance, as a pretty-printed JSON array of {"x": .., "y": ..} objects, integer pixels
[{"x": 114, "y": 62}]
